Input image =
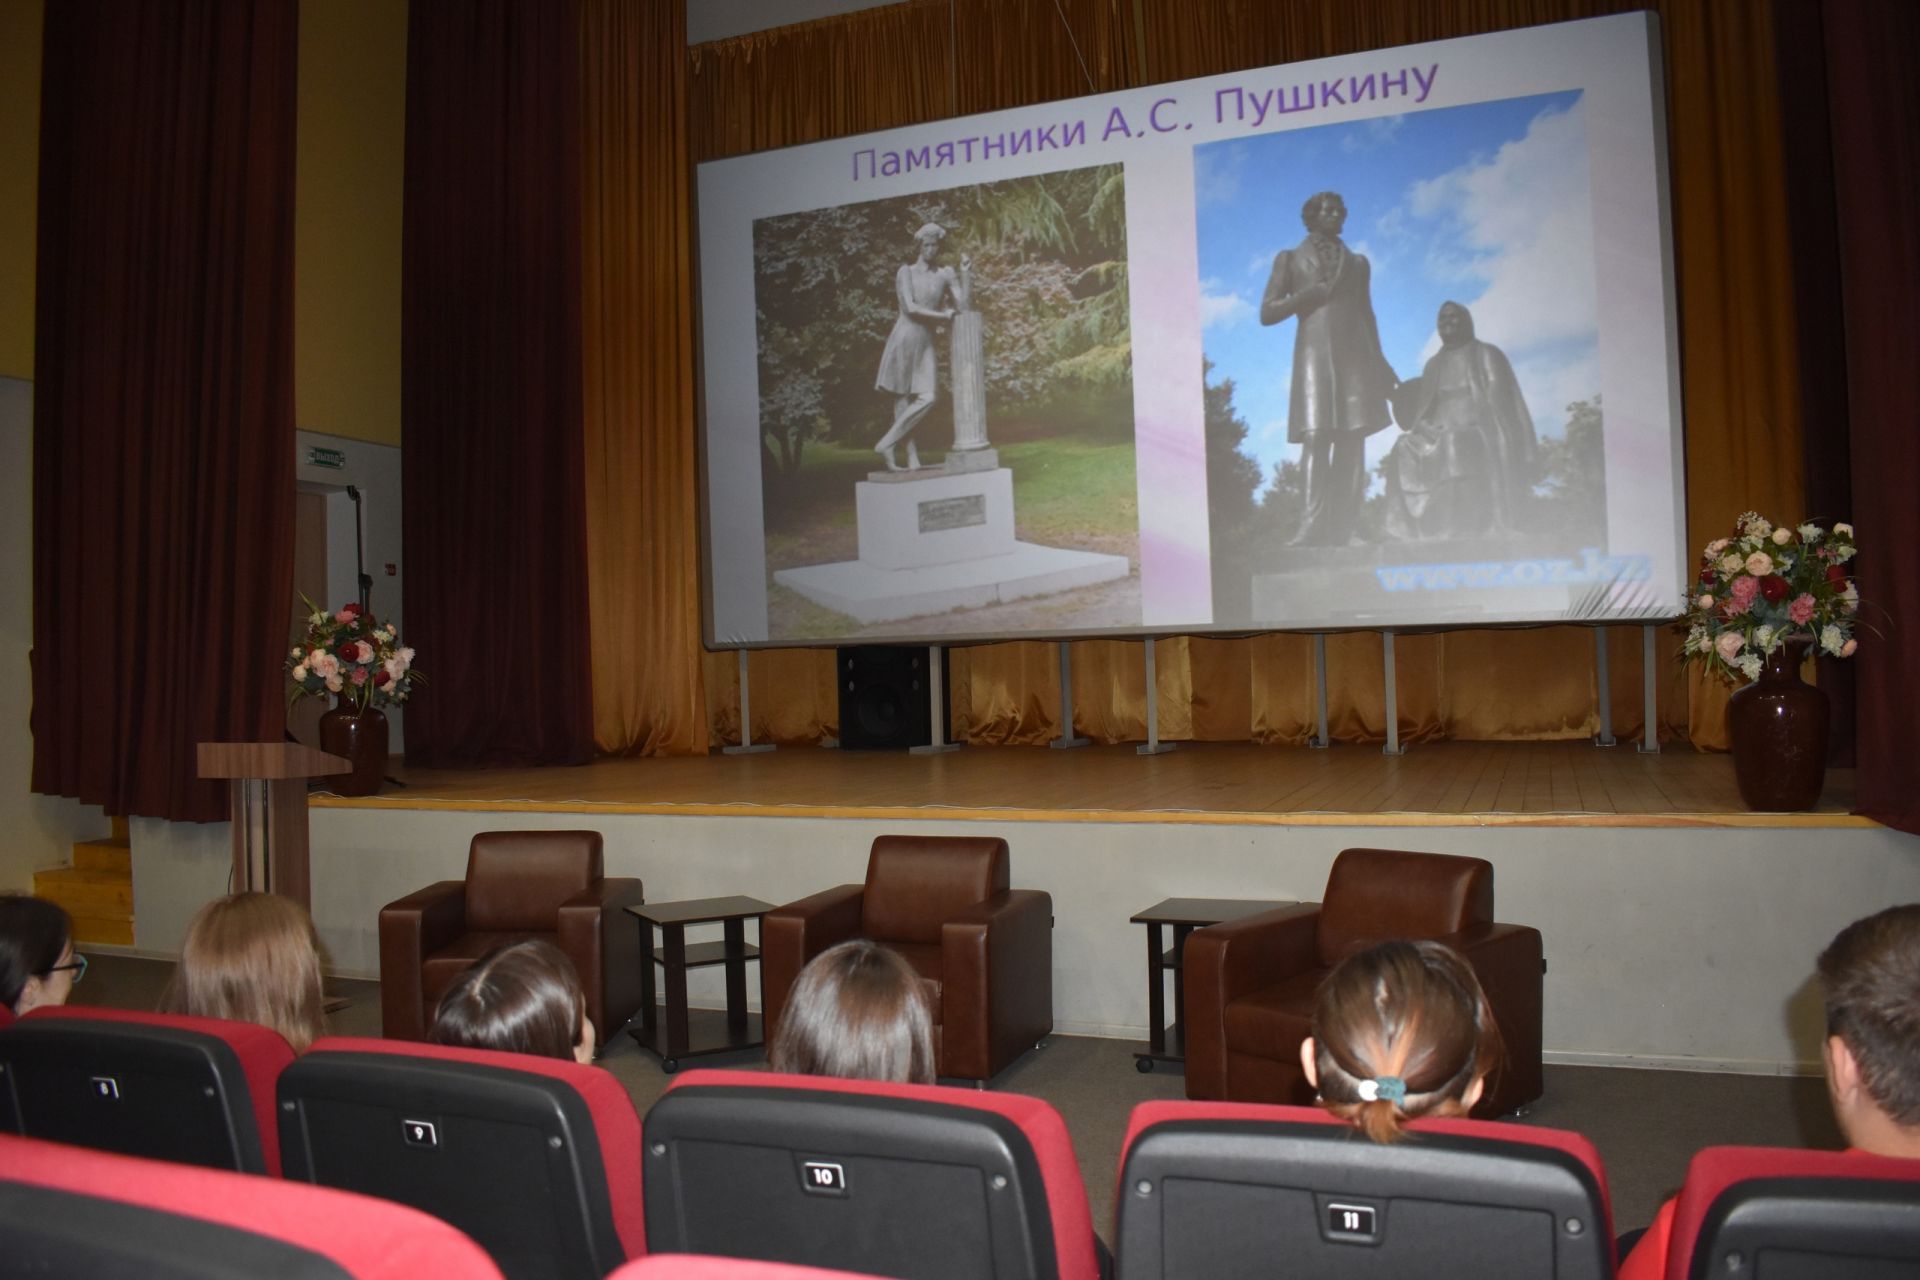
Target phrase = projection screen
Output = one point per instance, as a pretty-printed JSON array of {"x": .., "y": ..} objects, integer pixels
[{"x": 1385, "y": 340}]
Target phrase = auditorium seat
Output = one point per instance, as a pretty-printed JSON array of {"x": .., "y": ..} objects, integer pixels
[
  {"x": 519, "y": 884},
  {"x": 883, "y": 1179},
  {"x": 166, "y": 1086},
  {"x": 1748, "y": 1212},
  {"x": 537, "y": 1159},
  {"x": 1232, "y": 1189},
  {"x": 700, "y": 1266},
  {"x": 984, "y": 950},
  {"x": 1251, "y": 982},
  {"x": 71, "y": 1211}
]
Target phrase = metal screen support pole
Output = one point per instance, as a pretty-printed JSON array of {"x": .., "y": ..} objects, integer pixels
[
  {"x": 1153, "y": 745},
  {"x": 747, "y": 746},
  {"x": 1067, "y": 737},
  {"x": 1393, "y": 747},
  {"x": 1649, "y": 691},
  {"x": 937, "y": 699},
  {"x": 1603, "y": 684},
  {"x": 1320, "y": 739}
]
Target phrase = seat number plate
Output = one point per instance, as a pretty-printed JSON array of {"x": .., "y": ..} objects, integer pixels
[{"x": 822, "y": 1178}]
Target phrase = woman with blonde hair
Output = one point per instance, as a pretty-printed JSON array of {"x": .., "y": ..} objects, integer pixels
[
  {"x": 1400, "y": 1030},
  {"x": 252, "y": 957},
  {"x": 860, "y": 1012}
]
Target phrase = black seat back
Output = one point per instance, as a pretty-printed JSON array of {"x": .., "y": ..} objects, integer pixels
[{"x": 1223, "y": 1189}]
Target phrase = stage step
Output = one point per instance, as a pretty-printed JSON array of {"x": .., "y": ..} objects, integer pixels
[{"x": 97, "y": 890}]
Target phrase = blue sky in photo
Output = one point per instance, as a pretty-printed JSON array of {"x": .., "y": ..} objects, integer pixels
[{"x": 1486, "y": 205}]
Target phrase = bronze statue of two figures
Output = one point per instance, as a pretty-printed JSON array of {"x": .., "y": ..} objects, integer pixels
[{"x": 1464, "y": 463}]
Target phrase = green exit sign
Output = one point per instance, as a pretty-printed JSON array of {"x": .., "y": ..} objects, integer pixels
[{"x": 334, "y": 459}]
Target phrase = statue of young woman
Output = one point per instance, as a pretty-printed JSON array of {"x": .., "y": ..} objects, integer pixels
[{"x": 929, "y": 295}]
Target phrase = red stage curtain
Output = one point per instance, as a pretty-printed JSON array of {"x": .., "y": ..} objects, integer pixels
[
  {"x": 163, "y": 395},
  {"x": 1874, "y": 103},
  {"x": 491, "y": 390}
]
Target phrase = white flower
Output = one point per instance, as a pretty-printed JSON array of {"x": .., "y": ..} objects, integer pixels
[
  {"x": 300, "y": 674},
  {"x": 1753, "y": 523},
  {"x": 1759, "y": 564},
  {"x": 1704, "y": 602},
  {"x": 1843, "y": 530},
  {"x": 1844, "y": 554},
  {"x": 1715, "y": 547},
  {"x": 1831, "y": 639},
  {"x": 1763, "y": 638},
  {"x": 1808, "y": 532},
  {"x": 1749, "y": 667},
  {"x": 1781, "y": 537},
  {"x": 1730, "y": 563},
  {"x": 334, "y": 684},
  {"x": 1697, "y": 641}
]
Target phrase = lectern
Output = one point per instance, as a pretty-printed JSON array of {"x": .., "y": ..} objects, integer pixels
[{"x": 269, "y": 809}]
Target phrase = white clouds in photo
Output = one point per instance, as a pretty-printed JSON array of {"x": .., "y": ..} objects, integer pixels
[
  {"x": 1221, "y": 307},
  {"x": 1515, "y": 229},
  {"x": 1216, "y": 174},
  {"x": 1376, "y": 133}
]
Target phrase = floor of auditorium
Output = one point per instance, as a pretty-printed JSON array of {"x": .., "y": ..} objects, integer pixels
[{"x": 1646, "y": 1124}]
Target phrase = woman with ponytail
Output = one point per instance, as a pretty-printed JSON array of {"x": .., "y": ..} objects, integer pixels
[{"x": 1400, "y": 1030}]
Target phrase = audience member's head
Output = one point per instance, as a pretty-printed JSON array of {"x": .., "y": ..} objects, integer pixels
[
  {"x": 252, "y": 957},
  {"x": 860, "y": 1012},
  {"x": 1870, "y": 979},
  {"x": 37, "y": 963},
  {"x": 521, "y": 997},
  {"x": 1400, "y": 1030}
]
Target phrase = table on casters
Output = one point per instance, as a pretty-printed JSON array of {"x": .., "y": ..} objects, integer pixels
[
  {"x": 1168, "y": 1043},
  {"x": 684, "y": 1033}
]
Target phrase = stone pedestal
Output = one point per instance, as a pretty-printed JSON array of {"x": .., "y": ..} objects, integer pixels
[{"x": 912, "y": 519}]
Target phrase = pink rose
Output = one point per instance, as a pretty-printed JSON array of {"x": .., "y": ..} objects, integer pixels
[
  {"x": 1715, "y": 547},
  {"x": 1729, "y": 643},
  {"x": 1744, "y": 590},
  {"x": 1759, "y": 564},
  {"x": 1801, "y": 610},
  {"x": 325, "y": 665},
  {"x": 359, "y": 675},
  {"x": 366, "y": 652},
  {"x": 346, "y": 614},
  {"x": 334, "y": 684},
  {"x": 1846, "y": 650}
]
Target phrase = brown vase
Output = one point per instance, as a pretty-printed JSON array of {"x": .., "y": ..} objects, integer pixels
[
  {"x": 360, "y": 736},
  {"x": 1778, "y": 728}
]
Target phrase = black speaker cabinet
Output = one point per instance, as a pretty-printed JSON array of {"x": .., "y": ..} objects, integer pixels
[{"x": 884, "y": 701}]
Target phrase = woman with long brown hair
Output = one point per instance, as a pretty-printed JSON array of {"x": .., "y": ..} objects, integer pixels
[
  {"x": 252, "y": 957},
  {"x": 860, "y": 1012}
]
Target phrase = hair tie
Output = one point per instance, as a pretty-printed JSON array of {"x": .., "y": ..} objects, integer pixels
[{"x": 1388, "y": 1088}]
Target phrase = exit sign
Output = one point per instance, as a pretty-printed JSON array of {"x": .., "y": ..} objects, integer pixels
[{"x": 333, "y": 459}]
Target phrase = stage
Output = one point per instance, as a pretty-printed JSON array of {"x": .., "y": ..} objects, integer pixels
[
  {"x": 1680, "y": 928},
  {"x": 1444, "y": 784}
]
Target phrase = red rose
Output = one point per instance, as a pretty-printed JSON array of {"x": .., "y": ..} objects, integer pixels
[
  {"x": 1836, "y": 574},
  {"x": 352, "y": 607},
  {"x": 1774, "y": 588},
  {"x": 1708, "y": 577},
  {"x": 380, "y": 678},
  {"x": 349, "y": 652}
]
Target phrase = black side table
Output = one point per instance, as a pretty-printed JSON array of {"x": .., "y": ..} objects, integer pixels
[
  {"x": 692, "y": 1033},
  {"x": 1164, "y": 1043}
]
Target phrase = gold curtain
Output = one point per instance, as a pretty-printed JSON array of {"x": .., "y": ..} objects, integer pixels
[
  {"x": 929, "y": 59},
  {"x": 637, "y": 346}
]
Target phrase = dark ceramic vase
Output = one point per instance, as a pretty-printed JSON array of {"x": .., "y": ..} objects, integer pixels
[
  {"x": 1778, "y": 728},
  {"x": 360, "y": 736}
]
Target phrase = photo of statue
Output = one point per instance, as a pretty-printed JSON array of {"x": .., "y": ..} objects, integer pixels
[
  {"x": 1466, "y": 461},
  {"x": 1010, "y": 313},
  {"x": 1481, "y": 215},
  {"x": 1341, "y": 380},
  {"x": 929, "y": 296}
]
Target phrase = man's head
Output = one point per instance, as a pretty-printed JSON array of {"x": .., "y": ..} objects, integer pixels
[
  {"x": 1324, "y": 212},
  {"x": 1870, "y": 978},
  {"x": 1455, "y": 324}
]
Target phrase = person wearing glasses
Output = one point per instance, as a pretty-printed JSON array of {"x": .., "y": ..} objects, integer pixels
[{"x": 38, "y": 965}]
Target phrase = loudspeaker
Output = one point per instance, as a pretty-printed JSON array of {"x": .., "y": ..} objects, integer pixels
[{"x": 884, "y": 700}]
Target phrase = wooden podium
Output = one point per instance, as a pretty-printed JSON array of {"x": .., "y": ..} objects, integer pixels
[{"x": 269, "y": 809}]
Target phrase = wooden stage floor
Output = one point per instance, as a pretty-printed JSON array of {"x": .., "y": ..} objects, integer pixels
[{"x": 1437, "y": 784}]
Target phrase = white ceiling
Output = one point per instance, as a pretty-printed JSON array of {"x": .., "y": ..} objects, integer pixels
[{"x": 718, "y": 19}]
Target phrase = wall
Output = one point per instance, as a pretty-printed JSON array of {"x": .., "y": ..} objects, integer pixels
[
  {"x": 346, "y": 218},
  {"x": 20, "y": 22},
  {"x": 38, "y": 829},
  {"x": 1669, "y": 946}
]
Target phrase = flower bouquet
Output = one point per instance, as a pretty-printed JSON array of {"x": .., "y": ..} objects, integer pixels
[
  {"x": 1765, "y": 588},
  {"x": 352, "y": 655}
]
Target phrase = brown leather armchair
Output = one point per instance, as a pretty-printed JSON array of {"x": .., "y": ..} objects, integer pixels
[
  {"x": 520, "y": 884},
  {"x": 1250, "y": 983},
  {"x": 985, "y": 951}
]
